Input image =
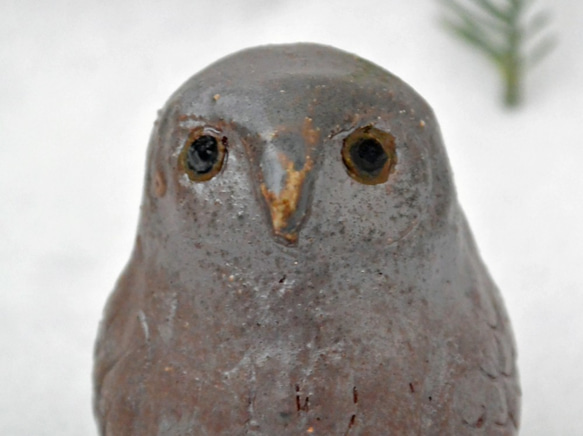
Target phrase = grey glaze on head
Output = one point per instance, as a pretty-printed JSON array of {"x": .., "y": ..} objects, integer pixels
[{"x": 284, "y": 295}]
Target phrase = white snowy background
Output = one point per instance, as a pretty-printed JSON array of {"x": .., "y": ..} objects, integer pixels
[{"x": 80, "y": 84}]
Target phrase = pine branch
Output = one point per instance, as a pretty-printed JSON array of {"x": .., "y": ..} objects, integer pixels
[
  {"x": 474, "y": 37},
  {"x": 492, "y": 9},
  {"x": 541, "y": 51},
  {"x": 496, "y": 29},
  {"x": 485, "y": 21}
]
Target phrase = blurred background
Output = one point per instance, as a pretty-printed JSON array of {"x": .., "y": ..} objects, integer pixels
[{"x": 80, "y": 84}]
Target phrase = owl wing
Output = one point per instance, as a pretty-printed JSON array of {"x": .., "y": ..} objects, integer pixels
[
  {"x": 488, "y": 397},
  {"x": 123, "y": 335}
]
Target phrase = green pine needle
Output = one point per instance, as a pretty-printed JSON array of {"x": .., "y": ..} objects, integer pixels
[{"x": 498, "y": 30}]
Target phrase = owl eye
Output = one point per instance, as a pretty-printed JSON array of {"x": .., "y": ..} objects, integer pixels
[
  {"x": 202, "y": 156},
  {"x": 369, "y": 155}
]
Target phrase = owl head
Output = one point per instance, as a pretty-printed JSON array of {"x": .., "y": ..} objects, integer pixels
[{"x": 301, "y": 153}]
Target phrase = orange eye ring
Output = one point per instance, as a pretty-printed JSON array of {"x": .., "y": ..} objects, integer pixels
[
  {"x": 369, "y": 155},
  {"x": 203, "y": 155}
]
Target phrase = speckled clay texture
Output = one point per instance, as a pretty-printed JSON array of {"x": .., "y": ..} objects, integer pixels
[{"x": 365, "y": 310}]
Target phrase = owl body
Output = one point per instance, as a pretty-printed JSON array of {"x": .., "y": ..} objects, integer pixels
[{"x": 302, "y": 266}]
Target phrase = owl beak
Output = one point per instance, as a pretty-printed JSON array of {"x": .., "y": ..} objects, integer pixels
[
  {"x": 287, "y": 197},
  {"x": 286, "y": 166}
]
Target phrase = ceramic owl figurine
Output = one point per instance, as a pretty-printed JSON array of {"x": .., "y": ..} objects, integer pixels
[{"x": 302, "y": 266}]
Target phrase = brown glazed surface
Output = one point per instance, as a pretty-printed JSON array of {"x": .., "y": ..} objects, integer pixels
[{"x": 282, "y": 296}]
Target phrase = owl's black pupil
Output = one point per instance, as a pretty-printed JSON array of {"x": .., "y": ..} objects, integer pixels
[
  {"x": 203, "y": 154},
  {"x": 368, "y": 155}
]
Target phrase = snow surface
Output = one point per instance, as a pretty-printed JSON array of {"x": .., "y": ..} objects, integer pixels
[{"x": 80, "y": 84}]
